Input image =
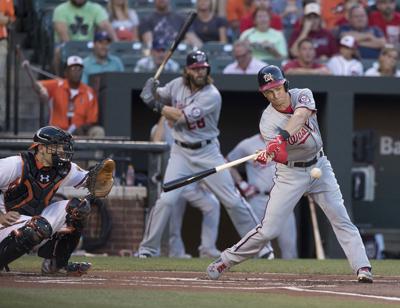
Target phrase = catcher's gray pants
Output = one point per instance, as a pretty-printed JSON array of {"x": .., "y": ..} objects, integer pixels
[
  {"x": 290, "y": 185},
  {"x": 183, "y": 162}
]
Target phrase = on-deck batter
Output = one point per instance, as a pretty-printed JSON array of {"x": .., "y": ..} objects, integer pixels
[
  {"x": 198, "y": 196},
  {"x": 193, "y": 104},
  {"x": 290, "y": 128}
]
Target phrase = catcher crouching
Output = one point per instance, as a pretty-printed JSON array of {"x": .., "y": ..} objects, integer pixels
[{"x": 28, "y": 220}]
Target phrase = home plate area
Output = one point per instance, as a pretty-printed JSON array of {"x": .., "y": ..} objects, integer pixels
[{"x": 386, "y": 289}]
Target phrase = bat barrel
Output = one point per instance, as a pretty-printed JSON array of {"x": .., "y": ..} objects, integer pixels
[{"x": 186, "y": 180}]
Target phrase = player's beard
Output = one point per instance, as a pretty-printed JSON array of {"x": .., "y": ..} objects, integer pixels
[{"x": 198, "y": 82}]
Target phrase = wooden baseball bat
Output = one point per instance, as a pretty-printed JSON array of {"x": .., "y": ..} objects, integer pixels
[
  {"x": 178, "y": 39},
  {"x": 202, "y": 174},
  {"x": 319, "y": 249}
]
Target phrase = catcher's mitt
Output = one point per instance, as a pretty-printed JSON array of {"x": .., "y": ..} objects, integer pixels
[{"x": 100, "y": 178}]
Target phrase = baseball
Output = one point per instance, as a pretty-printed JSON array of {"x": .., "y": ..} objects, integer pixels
[{"x": 315, "y": 173}]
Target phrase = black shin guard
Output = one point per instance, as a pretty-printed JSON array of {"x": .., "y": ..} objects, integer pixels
[
  {"x": 60, "y": 248},
  {"x": 22, "y": 240}
]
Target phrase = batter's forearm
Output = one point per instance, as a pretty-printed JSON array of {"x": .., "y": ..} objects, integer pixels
[
  {"x": 297, "y": 121},
  {"x": 172, "y": 113}
]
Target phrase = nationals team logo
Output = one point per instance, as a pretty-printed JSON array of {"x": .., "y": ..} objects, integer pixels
[
  {"x": 200, "y": 57},
  {"x": 195, "y": 113},
  {"x": 304, "y": 99},
  {"x": 268, "y": 77}
]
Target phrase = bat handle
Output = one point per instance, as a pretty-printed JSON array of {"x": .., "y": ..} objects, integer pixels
[{"x": 162, "y": 65}]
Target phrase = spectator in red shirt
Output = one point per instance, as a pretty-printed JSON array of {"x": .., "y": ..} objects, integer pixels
[
  {"x": 306, "y": 63},
  {"x": 247, "y": 21},
  {"x": 311, "y": 28},
  {"x": 387, "y": 19}
]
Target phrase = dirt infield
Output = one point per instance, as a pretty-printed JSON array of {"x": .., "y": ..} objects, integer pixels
[{"x": 384, "y": 289}]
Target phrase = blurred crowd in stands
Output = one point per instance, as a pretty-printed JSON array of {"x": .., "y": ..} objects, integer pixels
[
  {"x": 325, "y": 37},
  {"x": 339, "y": 37}
]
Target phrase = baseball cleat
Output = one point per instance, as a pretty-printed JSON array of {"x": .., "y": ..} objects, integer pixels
[
  {"x": 364, "y": 275},
  {"x": 77, "y": 268},
  {"x": 72, "y": 269},
  {"x": 216, "y": 268}
]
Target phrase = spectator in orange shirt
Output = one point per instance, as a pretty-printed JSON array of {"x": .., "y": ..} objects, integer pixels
[
  {"x": 7, "y": 16},
  {"x": 73, "y": 104},
  {"x": 235, "y": 11}
]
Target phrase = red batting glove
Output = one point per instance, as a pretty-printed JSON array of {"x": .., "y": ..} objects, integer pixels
[
  {"x": 277, "y": 149},
  {"x": 262, "y": 158}
]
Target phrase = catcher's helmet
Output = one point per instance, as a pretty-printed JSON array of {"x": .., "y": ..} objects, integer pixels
[
  {"x": 197, "y": 59},
  {"x": 52, "y": 135},
  {"x": 271, "y": 76}
]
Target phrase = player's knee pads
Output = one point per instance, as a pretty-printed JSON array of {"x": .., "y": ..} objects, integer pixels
[
  {"x": 22, "y": 240},
  {"x": 77, "y": 211},
  {"x": 33, "y": 232}
]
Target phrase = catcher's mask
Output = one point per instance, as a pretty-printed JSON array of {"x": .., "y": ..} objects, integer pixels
[
  {"x": 271, "y": 76},
  {"x": 58, "y": 143}
]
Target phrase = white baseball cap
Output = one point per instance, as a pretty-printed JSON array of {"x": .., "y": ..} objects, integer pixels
[
  {"x": 74, "y": 60},
  {"x": 312, "y": 8},
  {"x": 348, "y": 41}
]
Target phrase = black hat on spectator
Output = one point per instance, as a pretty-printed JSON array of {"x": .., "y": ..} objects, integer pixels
[
  {"x": 102, "y": 36},
  {"x": 159, "y": 45}
]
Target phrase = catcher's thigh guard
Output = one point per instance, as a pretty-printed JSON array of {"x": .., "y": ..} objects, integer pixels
[{"x": 22, "y": 240}]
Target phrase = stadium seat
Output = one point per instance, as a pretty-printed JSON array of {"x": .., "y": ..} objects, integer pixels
[
  {"x": 77, "y": 48},
  {"x": 217, "y": 49},
  {"x": 128, "y": 52},
  {"x": 219, "y": 63},
  {"x": 368, "y": 63},
  {"x": 141, "y": 4},
  {"x": 40, "y": 5},
  {"x": 144, "y": 13},
  {"x": 129, "y": 61},
  {"x": 125, "y": 47},
  {"x": 183, "y": 4}
]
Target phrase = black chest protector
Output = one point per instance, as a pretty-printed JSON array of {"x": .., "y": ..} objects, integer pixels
[{"x": 36, "y": 187}]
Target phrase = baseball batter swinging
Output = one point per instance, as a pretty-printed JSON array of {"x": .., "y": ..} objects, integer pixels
[
  {"x": 290, "y": 128},
  {"x": 27, "y": 219},
  {"x": 193, "y": 104}
]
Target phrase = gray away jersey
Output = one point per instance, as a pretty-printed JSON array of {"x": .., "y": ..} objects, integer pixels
[
  {"x": 201, "y": 110},
  {"x": 306, "y": 142}
]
